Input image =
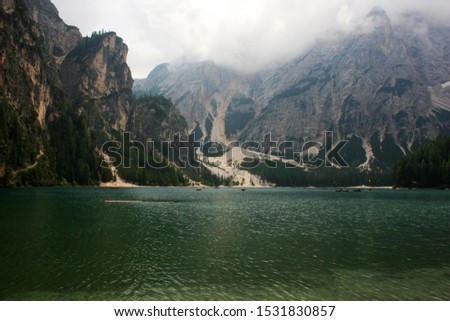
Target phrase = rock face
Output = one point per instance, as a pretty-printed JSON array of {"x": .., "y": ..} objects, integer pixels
[
  {"x": 203, "y": 92},
  {"x": 59, "y": 37},
  {"x": 64, "y": 96},
  {"x": 361, "y": 86},
  {"x": 25, "y": 79},
  {"x": 369, "y": 86},
  {"x": 8, "y": 6},
  {"x": 96, "y": 72},
  {"x": 427, "y": 47}
]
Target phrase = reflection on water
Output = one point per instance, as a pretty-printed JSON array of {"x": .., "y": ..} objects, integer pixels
[{"x": 222, "y": 244}]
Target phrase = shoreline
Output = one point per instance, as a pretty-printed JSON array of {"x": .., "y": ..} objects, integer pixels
[{"x": 124, "y": 185}]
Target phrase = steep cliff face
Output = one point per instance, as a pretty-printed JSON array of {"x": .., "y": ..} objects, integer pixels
[
  {"x": 58, "y": 37},
  {"x": 371, "y": 86},
  {"x": 427, "y": 45},
  {"x": 23, "y": 61},
  {"x": 202, "y": 91},
  {"x": 95, "y": 75},
  {"x": 63, "y": 97},
  {"x": 26, "y": 88}
]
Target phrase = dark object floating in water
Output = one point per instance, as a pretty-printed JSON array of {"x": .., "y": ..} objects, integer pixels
[
  {"x": 342, "y": 190},
  {"x": 142, "y": 201},
  {"x": 243, "y": 189},
  {"x": 199, "y": 189},
  {"x": 123, "y": 201},
  {"x": 358, "y": 190}
]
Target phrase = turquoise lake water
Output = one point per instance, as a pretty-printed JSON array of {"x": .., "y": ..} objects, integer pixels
[{"x": 223, "y": 244}]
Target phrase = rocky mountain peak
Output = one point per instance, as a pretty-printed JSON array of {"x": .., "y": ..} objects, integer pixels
[
  {"x": 202, "y": 90},
  {"x": 378, "y": 20},
  {"x": 59, "y": 37},
  {"x": 369, "y": 86},
  {"x": 162, "y": 69},
  {"x": 378, "y": 12},
  {"x": 97, "y": 66},
  {"x": 97, "y": 69}
]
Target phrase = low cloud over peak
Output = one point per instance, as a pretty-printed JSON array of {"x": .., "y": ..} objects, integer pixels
[{"x": 246, "y": 35}]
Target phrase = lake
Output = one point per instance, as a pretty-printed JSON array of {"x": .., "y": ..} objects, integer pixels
[{"x": 223, "y": 244}]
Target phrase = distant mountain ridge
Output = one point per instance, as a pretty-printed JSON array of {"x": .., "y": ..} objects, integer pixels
[{"x": 373, "y": 86}]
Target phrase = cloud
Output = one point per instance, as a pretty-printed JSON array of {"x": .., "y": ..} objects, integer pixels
[{"x": 246, "y": 35}]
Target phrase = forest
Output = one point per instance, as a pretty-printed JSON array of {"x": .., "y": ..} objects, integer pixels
[
  {"x": 427, "y": 167},
  {"x": 281, "y": 175}
]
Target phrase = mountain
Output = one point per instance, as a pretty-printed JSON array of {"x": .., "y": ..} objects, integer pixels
[
  {"x": 203, "y": 92},
  {"x": 58, "y": 37},
  {"x": 378, "y": 87},
  {"x": 64, "y": 96},
  {"x": 26, "y": 81},
  {"x": 95, "y": 73},
  {"x": 384, "y": 87}
]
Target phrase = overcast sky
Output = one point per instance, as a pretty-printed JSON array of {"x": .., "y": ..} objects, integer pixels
[{"x": 245, "y": 34}]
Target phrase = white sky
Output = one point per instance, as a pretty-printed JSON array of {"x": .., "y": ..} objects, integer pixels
[{"x": 245, "y": 34}]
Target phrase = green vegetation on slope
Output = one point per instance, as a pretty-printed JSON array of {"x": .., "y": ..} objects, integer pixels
[
  {"x": 428, "y": 167},
  {"x": 75, "y": 159},
  {"x": 281, "y": 175}
]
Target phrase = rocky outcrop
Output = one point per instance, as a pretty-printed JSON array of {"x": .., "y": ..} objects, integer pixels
[
  {"x": 59, "y": 37},
  {"x": 96, "y": 72},
  {"x": 26, "y": 82},
  {"x": 63, "y": 97},
  {"x": 22, "y": 63},
  {"x": 8, "y": 6}
]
